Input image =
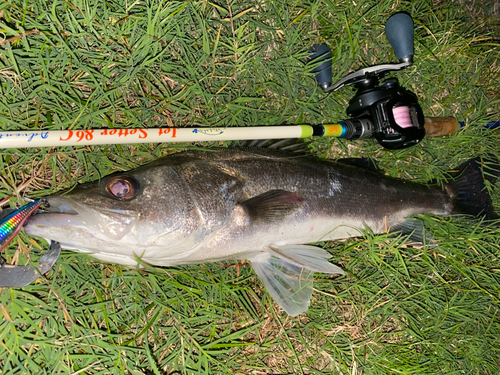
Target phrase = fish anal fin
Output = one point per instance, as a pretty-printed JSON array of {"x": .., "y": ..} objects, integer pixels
[
  {"x": 415, "y": 232},
  {"x": 272, "y": 205},
  {"x": 288, "y": 274}
]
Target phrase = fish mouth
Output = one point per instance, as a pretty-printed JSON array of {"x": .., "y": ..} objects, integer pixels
[
  {"x": 61, "y": 205},
  {"x": 64, "y": 215}
]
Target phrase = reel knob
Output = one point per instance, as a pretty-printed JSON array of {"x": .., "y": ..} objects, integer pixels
[
  {"x": 321, "y": 52},
  {"x": 399, "y": 33}
]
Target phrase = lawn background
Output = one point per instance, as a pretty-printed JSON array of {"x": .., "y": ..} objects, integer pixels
[{"x": 124, "y": 63}]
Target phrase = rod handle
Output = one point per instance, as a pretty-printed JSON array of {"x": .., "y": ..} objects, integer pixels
[{"x": 440, "y": 126}]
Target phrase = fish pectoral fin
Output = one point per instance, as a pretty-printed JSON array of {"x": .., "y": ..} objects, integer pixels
[
  {"x": 288, "y": 274},
  {"x": 415, "y": 232},
  {"x": 272, "y": 205}
]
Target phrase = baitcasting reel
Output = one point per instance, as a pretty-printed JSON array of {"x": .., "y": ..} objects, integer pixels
[{"x": 383, "y": 110}]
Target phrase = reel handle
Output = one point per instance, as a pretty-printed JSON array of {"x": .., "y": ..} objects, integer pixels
[{"x": 399, "y": 33}]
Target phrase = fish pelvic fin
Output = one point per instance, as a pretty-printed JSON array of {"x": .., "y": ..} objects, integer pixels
[
  {"x": 468, "y": 189},
  {"x": 288, "y": 274}
]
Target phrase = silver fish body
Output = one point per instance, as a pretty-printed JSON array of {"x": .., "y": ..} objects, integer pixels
[{"x": 200, "y": 206}]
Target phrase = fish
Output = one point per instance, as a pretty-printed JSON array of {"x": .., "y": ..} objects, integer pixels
[{"x": 265, "y": 206}]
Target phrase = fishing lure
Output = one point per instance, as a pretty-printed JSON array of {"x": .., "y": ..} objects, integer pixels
[{"x": 13, "y": 222}]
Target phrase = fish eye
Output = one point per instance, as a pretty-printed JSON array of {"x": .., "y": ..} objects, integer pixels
[{"x": 122, "y": 187}]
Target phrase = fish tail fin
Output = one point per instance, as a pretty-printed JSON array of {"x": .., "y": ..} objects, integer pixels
[
  {"x": 468, "y": 189},
  {"x": 288, "y": 273}
]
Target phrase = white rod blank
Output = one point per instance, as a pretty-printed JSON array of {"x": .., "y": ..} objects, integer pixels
[{"x": 53, "y": 138}]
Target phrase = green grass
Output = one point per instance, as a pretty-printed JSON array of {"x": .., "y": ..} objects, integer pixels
[{"x": 93, "y": 64}]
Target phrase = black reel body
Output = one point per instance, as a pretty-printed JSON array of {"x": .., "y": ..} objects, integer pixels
[{"x": 397, "y": 118}]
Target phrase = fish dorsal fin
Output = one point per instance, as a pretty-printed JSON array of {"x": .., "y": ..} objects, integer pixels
[
  {"x": 292, "y": 145},
  {"x": 415, "y": 232},
  {"x": 363, "y": 163},
  {"x": 272, "y": 205},
  {"x": 288, "y": 274}
]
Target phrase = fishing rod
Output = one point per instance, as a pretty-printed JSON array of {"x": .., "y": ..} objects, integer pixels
[
  {"x": 383, "y": 110},
  {"x": 351, "y": 129}
]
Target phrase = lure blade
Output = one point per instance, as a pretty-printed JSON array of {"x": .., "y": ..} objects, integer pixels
[
  {"x": 12, "y": 223},
  {"x": 12, "y": 276}
]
